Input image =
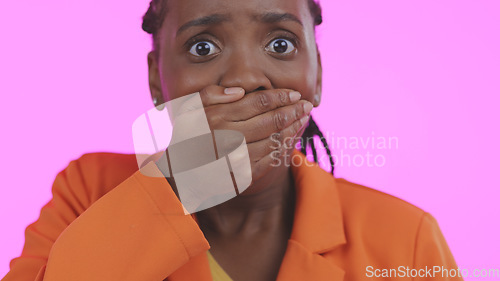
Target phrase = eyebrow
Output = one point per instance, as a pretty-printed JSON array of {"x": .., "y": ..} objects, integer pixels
[
  {"x": 278, "y": 17},
  {"x": 204, "y": 21},
  {"x": 214, "y": 19}
]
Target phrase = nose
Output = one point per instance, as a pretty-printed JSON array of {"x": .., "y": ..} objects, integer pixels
[{"x": 247, "y": 73}]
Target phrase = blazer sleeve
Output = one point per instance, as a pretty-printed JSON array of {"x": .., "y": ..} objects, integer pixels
[
  {"x": 432, "y": 253},
  {"x": 136, "y": 231}
]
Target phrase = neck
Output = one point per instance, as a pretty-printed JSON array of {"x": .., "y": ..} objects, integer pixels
[{"x": 267, "y": 204}]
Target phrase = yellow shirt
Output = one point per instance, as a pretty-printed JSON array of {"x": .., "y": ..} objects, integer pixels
[{"x": 218, "y": 274}]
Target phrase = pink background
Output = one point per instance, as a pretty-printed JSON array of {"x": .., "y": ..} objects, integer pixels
[{"x": 74, "y": 77}]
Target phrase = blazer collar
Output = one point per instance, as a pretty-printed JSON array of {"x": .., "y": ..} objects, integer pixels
[
  {"x": 318, "y": 223},
  {"x": 317, "y": 229}
]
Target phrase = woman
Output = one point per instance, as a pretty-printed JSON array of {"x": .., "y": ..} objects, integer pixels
[{"x": 258, "y": 71}]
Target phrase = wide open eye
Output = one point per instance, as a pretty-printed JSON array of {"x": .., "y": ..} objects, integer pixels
[
  {"x": 203, "y": 48},
  {"x": 281, "y": 46}
]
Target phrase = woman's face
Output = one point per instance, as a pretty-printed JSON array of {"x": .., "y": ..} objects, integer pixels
[{"x": 253, "y": 44}]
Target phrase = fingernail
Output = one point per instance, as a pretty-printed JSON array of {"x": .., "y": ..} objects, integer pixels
[
  {"x": 295, "y": 96},
  {"x": 304, "y": 120},
  {"x": 233, "y": 91},
  {"x": 308, "y": 107}
]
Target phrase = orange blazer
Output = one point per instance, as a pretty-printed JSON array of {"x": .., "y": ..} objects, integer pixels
[{"x": 109, "y": 222}]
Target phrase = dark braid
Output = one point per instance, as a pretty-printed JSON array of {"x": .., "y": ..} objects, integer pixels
[
  {"x": 153, "y": 20},
  {"x": 308, "y": 137},
  {"x": 310, "y": 141},
  {"x": 315, "y": 9}
]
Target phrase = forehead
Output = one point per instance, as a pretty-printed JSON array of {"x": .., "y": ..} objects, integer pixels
[{"x": 181, "y": 11}]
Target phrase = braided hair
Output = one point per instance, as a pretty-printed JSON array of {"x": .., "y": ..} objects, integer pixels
[
  {"x": 152, "y": 22},
  {"x": 307, "y": 139}
]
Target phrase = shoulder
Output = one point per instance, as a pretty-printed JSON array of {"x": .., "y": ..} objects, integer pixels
[
  {"x": 104, "y": 159},
  {"x": 374, "y": 217},
  {"x": 383, "y": 229},
  {"x": 100, "y": 172},
  {"x": 366, "y": 201}
]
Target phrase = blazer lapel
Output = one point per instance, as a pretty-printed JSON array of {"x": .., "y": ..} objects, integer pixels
[
  {"x": 300, "y": 263},
  {"x": 317, "y": 228}
]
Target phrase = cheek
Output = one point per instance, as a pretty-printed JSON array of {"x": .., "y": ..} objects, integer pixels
[
  {"x": 300, "y": 76},
  {"x": 178, "y": 81},
  {"x": 180, "y": 77}
]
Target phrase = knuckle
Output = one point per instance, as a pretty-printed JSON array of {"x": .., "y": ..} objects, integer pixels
[
  {"x": 299, "y": 109},
  {"x": 277, "y": 138},
  {"x": 284, "y": 97},
  {"x": 263, "y": 101},
  {"x": 295, "y": 128},
  {"x": 279, "y": 121},
  {"x": 275, "y": 143}
]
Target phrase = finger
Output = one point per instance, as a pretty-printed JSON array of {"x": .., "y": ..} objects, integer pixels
[
  {"x": 264, "y": 125},
  {"x": 285, "y": 139},
  {"x": 263, "y": 165},
  {"x": 213, "y": 95},
  {"x": 274, "y": 159},
  {"x": 257, "y": 103}
]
